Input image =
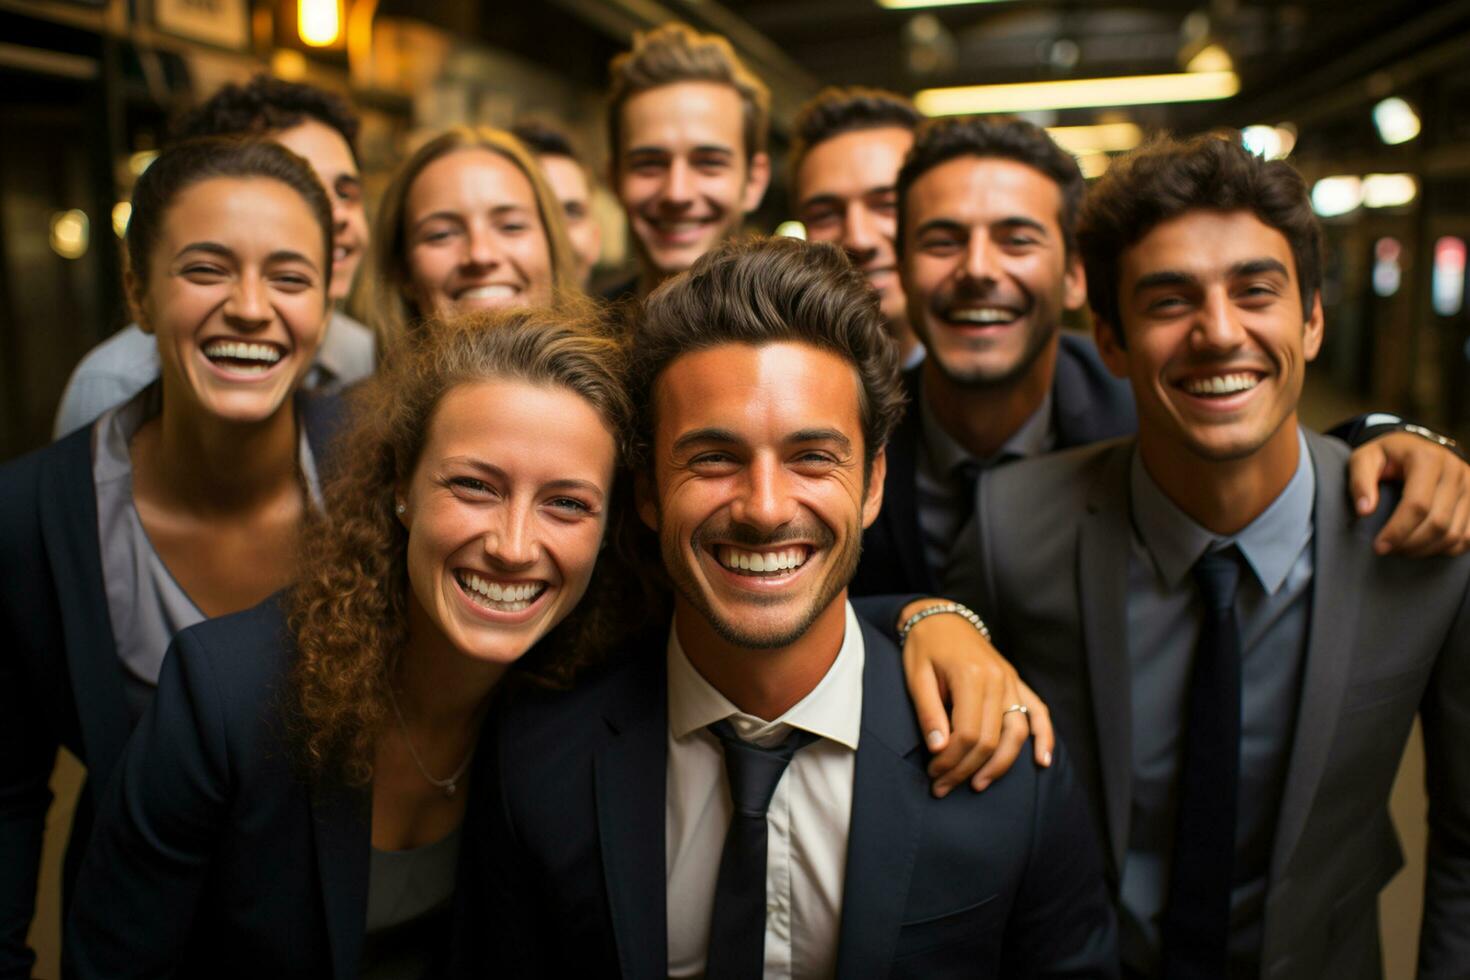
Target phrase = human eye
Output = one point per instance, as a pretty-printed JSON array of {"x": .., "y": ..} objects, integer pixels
[
  {"x": 203, "y": 272},
  {"x": 570, "y": 506},
  {"x": 294, "y": 282},
  {"x": 437, "y": 234},
  {"x": 713, "y": 461},
  {"x": 939, "y": 244},
  {"x": 470, "y": 487},
  {"x": 712, "y": 161}
]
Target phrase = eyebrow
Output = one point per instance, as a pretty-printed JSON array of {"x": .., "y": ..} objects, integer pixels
[
  {"x": 708, "y": 434},
  {"x": 656, "y": 150},
  {"x": 714, "y": 434},
  {"x": 215, "y": 248},
  {"x": 1176, "y": 277},
  {"x": 458, "y": 216},
  {"x": 823, "y": 435}
]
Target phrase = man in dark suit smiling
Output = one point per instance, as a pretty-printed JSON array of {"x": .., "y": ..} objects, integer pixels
[{"x": 744, "y": 793}]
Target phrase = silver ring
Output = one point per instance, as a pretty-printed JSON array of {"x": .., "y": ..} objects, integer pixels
[{"x": 1015, "y": 707}]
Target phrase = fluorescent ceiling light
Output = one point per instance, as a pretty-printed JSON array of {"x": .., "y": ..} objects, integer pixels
[
  {"x": 1211, "y": 57},
  {"x": 1101, "y": 138},
  {"x": 918, "y": 4},
  {"x": 1396, "y": 120},
  {"x": 1389, "y": 190},
  {"x": 1079, "y": 93}
]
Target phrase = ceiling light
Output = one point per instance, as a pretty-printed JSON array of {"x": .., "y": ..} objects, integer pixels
[
  {"x": 1211, "y": 57},
  {"x": 1389, "y": 190},
  {"x": 1268, "y": 142},
  {"x": 791, "y": 229},
  {"x": 917, "y": 4},
  {"x": 1101, "y": 138},
  {"x": 1396, "y": 120},
  {"x": 1078, "y": 93},
  {"x": 318, "y": 22},
  {"x": 69, "y": 234},
  {"x": 122, "y": 212},
  {"x": 1093, "y": 164},
  {"x": 1333, "y": 196}
]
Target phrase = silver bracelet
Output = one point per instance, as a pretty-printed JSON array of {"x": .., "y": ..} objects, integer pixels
[{"x": 964, "y": 612}]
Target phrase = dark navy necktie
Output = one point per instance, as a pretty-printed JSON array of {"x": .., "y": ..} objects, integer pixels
[
  {"x": 1196, "y": 923},
  {"x": 737, "y": 935}
]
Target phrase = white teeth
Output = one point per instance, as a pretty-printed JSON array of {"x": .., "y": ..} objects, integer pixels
[
  {"x": 761, "y": 561},
  {"x": 677, "y": 227},
  {"x": 241, "y": 351},
  {"x": 338, "y": 254},
  {"x": 985, "y": 314},
  {"x": 1221, "y": 384},
  {"x": 505, "y": 596},
  {"x": 493, "y": 292}
]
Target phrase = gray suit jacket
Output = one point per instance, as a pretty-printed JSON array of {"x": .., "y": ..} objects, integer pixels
[{"x": 1389, "y": 638}]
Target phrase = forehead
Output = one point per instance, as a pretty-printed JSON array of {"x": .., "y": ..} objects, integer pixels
[
  {"x": 1205, "y": 245},
  {"x": 854, "y": 162},
  {"x": 981, "y": 191},
  {"x": 470, "y": 178},
  {"x": 538, "y": 432},
  {"x": 245, "y": 214},
  {"x": 760, "y": 392},
  {"x": 683, "y": 115},
  {"x": 568, "y": 180},
  {"x": 321, "y": 146}
]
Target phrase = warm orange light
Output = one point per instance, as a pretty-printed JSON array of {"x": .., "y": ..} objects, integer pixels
[{"x": 319, "y": 22}]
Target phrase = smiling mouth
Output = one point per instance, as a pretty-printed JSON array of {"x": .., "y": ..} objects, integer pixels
[
  {"x": 682, "y": 226},
  {"x": 983, "y": 316},
  {"x": 499, "y": 596},
  {"x": 1220, "y": 385},
  {"x": 243, "y": 357},
  {"x": 492, "y": 293},
  {"x": 342, "y": 252},
  {"x": 768, "y": 564}
]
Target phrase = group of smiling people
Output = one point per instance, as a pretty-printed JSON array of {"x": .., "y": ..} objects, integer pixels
[{"x": 381, "y": 682}]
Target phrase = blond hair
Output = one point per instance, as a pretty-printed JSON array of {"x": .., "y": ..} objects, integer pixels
[{"x": 391, "y": 309}]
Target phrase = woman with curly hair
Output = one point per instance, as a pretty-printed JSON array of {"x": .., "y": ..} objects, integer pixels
[
  {"x": 291, "y": 805},
  {"x": 468, "y": 222}
]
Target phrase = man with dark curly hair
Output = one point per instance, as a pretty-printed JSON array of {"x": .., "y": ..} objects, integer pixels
[{"x": 315, "y": 125}]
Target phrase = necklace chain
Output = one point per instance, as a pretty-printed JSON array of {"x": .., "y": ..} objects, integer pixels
[{"x": 447, "y": 785}]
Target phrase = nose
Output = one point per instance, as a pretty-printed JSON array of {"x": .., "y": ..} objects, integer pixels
[
  {"x": 679, "y": 185},
  {"x": 248, "y": 306},
  {"x": 765, "y": 503},
  {"x": 481, "y": 250},
  {"x": 859, "y": 235},
  {"x": 511, "y": 540},
  {"x": 1217, "y": 325},
  {"x": 979, "y": 260}
]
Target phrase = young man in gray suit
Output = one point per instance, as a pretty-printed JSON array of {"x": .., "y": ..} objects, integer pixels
[{"x": 1233, "y": 666}]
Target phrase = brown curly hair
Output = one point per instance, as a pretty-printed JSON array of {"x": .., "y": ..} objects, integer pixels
[{"x": 349, "y": 608}]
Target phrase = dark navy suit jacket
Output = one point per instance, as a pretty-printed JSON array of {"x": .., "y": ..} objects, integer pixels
[
  {"x": 563, "y": 870},
  {"x": 213, "y": 855},
  {"x": 61, "y": 683},
  {"x": 1088, "y": 405}
]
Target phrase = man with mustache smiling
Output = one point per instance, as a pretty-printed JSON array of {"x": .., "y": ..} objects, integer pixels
[
  {"x": 744, "y": 794},
  {"x": 1232, "y": 661},
  {"x": 687, "y": 127},
  {"x": 986, "y": 239}
]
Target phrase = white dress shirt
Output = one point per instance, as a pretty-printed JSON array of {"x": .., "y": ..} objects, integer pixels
[{"x": 806, "y": 851}]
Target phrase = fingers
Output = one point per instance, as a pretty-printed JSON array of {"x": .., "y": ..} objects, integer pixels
[
  {"x": 1013, "y": 734},
  {"x": 1038, "y": 716},
  {"x": 1416, "y": 504},
  {"x": 1460, "y": 527},
  {"x": 975, "y": 727},
  {"x": 1365, "y": 471},
  {"x": 928, "y": 698}
]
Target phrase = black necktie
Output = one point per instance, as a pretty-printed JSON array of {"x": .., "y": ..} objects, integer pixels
[
  {"x": 1196, "y": 923},
  {"x": 737, "y": 935}
]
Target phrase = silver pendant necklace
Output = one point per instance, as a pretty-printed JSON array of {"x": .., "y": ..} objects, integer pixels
[{"x": 447, "y": 785}]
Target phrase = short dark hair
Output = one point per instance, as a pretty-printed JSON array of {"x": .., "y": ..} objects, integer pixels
[
  {"x": 545, "y": 139},
  {"x": 672, "y": 53},
  {"x": 268, "y": 105},
  {"x": 764, "y": 291},
  {"x": 938, "y": 141},
  {"x": 1166, "y": 178},
  {"x": 844, "y": 109},
  {"x": 190, "y": 162}
]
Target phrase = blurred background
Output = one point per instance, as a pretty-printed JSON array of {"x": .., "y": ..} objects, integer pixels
[{"x": 1370, "y": 100}]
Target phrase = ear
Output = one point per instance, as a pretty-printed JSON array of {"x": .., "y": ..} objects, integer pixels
[
  {"x": 645, "y": 499},
  {"x": 757, "y": 179},
  {"x": 1114, "y": 355},
  {"x": 1314, "y": 329},
  {"x": 873, "y": 498},
  {"x": 133, "y": 290},
  {"x": 1074, "y": 284}
]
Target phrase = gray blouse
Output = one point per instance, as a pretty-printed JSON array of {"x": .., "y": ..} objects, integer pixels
[
  {"x": 144, "y": 602},
  {"x": 408, "y": 909}
]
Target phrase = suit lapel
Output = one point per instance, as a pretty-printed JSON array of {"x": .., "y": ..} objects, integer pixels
[
  {"x": 887, "y": 814},
  {"x": 68, "y": 514},
  {"x": 1340, "y": 556},
  {"x": 342, "y": 824},
  {"x": 1102, "y": 583},
  {"x": 631, "y": 786}
]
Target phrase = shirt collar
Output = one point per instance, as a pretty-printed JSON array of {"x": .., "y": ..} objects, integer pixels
[
  {"x": 1035, "y": 436},
  {"x": 832, "y": 709},
  {"x": 1270, "y": 543},
  {"x": 333, "y": 348}
]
